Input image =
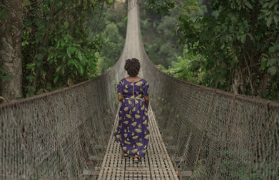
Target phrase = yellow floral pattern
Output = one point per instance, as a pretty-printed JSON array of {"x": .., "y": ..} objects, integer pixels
[{"x": 132, "y": 132}]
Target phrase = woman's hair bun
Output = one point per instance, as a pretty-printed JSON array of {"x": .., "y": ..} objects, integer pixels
[{"x": 132, "y": 66}]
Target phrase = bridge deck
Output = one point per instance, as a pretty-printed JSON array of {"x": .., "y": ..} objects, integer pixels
[{"x": 156, "y": 165}]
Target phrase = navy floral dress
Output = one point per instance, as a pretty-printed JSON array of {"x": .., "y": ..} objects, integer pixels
[{"x": 133, "y": 130}]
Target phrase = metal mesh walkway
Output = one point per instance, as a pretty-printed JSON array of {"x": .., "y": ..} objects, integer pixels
[{"x": 156, "y": 165}]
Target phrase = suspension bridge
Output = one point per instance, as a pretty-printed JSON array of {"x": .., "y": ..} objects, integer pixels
[{"x": 196, "y": 132}]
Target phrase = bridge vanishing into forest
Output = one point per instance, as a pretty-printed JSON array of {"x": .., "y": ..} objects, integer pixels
[{"x": 196, "y": 132}]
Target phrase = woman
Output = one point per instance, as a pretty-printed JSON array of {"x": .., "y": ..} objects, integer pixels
[{"x": 133, "y": 130}]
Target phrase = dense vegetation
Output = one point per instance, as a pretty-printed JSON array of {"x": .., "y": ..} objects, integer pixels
[
  {"x": 235, "y": 49},
  {"x": 56, "y": 48},
  {"x": 232, "y": 46}
]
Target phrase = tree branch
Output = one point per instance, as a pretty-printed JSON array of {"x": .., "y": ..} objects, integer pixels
[
  {"x": 4, "y": 6},
  {"x": 251, "y": 66},
  {"x": 269, "y": 38},
  {"x": 251, "y": 84}
]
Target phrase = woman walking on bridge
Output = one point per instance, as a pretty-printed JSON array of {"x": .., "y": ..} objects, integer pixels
[{"x": 133, "y": 130}]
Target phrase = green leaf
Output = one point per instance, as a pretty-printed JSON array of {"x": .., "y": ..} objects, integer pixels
[
  {"x": 221, "y": 81},
  {"x": 249, "y": 34},
  {"x": 243, "y": 38},
  {"x": 248, "y": 4},
  {"x": 269, "y": 20},
  {"x": 39, "y": 56},
  {"x": 66, "y": 23},
  {"x": 62, "y": 70},
  {"x": 39, "y": 92},
  {"x": 24, "y": 43},
  {"x": 30, "y": 78},
  {"x": 11, "y": 47},
  {"x": 264, "y": 93},
  {"x": 271, "y": 62},
  {"x": 81, "y": 69},
  {"x": 56, "y": 78},
  {"x": 265, "y": 5},
  {"x": 276, "y": 18},
  {"x": 272, "y": 3},
  {"x": 31, "y": 88},
  {"x": 261, "y": 16},
  {"x": 80, "y": 55},
  {"x": 48, "y": 86},
  {"x": 74, "y": 62},
  {"x": 272, "y": 70},
  {"x": 58, "y": 68},
  {"x": 263, "y": 63},
  {"x": 15, "y": 27},
  {"x": 70, "y": 50}
]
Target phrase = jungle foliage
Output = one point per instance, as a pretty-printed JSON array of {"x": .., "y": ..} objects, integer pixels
[
  {"x": 236, "y": 49},
  {"x": 56, "y": 49},
  {"x": 113, "y": 29}
]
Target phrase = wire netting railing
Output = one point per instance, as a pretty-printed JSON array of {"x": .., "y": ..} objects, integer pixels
[
  {"x": 58, "y": 135},
  {"x": 214, "y": 134}
]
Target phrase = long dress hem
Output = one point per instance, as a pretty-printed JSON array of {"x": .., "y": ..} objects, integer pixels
[{"x": 133, "y": 129}]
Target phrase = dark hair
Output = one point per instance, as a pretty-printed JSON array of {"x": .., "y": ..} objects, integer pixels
[{"x": 132, "y": 67}]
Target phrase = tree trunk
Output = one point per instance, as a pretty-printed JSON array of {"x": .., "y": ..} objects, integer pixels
[
  {"x": 1, "y": 60},
  {"x": 236, "y": 82},
  {"x": 209, "y": 10},
  {"x": 11, "y": 38}
]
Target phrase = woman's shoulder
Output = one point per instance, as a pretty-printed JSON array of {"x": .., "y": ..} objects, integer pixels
[
  {"x": 121, "y": 81},
  {"x": 145, "y": 82}
]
